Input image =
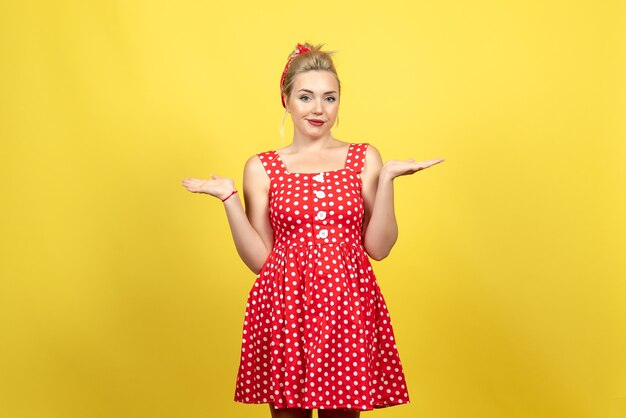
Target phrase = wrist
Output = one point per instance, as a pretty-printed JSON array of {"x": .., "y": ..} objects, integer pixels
[
  {"x": 384, "y": 176},
  {"x": 228, "y": 196}
]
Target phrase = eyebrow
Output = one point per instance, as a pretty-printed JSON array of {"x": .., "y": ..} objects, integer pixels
[{"x": 309, "y": 91}]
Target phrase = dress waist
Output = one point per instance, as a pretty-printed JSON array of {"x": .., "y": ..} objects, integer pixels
[{"x": 341, "y": 244}]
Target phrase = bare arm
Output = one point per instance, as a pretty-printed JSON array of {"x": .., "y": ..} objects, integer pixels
[
  {"x": 250, "y": 229},
  {"x": 380, "y": 228}
]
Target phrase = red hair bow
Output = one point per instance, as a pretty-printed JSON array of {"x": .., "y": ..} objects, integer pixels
[{"x": 300, "y": 49}]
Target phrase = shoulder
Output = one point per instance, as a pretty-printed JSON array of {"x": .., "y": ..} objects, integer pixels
[
  {"x": 256, "y": 163},
  {"x": 256, "y": 179},
  {"x": 366, "y": 148},
  {"x": 372, "y": 156},
  {"x": 255, "y": 172},
  {"x": 370, "y": 150}
]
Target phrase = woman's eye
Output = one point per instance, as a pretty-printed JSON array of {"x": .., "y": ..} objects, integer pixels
[
  {"x": 331, "y": 98},
  {"x": 304, "y": 98}
]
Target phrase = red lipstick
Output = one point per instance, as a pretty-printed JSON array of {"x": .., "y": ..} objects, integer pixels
[{"x": 316, "y": 122}]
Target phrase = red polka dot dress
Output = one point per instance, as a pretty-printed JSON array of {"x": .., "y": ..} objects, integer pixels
[{"x": 317, "y": 333}]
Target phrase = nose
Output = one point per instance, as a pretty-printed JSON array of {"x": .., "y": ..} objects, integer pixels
[{"x": 318, "y": 107}]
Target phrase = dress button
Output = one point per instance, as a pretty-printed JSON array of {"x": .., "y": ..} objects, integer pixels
[
  {"x": 320, "y": 194},
  {"x": 322, "y": 234},
  {"x": 319, "y": 177},
  {"x": 321, "y": 215}
]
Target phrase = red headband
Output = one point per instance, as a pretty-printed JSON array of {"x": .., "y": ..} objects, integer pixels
[{"x": 300, "y": 49}]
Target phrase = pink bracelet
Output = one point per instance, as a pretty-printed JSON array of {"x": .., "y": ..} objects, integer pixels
[{"x": 224, "y": 200}]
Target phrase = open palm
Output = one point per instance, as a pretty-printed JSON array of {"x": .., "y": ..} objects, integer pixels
[
  {"x": 217, "y": 186},
  {"x": 395, "y": 168}
]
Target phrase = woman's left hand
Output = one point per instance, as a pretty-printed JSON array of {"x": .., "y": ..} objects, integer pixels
[{"x": 395, "y": 168}]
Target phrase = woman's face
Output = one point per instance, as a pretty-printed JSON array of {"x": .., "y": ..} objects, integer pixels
[{"x": 314, "y": 102}]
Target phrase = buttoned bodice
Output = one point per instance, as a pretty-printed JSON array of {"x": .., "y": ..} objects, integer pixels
[{"x": 316, "y": 208}]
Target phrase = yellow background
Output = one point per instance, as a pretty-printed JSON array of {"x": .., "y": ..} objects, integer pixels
[{"x": 122, "y": 295}]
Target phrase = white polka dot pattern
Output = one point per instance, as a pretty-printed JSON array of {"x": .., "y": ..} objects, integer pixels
[{"x": 317, "y": 333}]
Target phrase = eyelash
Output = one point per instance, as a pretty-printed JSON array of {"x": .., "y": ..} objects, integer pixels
[{"x": 307, "y": 97}]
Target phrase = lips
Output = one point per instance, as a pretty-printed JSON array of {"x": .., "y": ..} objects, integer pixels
[{"x": 316, "y": 122}]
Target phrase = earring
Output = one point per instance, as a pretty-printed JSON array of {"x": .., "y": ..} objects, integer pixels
[
  {"x": 336, "y": 122},
  {"x": 282, "y": 127}
]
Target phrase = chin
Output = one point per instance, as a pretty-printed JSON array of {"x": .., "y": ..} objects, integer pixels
[
  {"x": 315, "y": 133},
  {"x": 318, "y": 134}
]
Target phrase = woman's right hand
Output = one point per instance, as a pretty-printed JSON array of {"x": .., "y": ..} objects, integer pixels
[{"x": 219, "y": 187}]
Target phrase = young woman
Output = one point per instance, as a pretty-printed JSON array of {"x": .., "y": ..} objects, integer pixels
[{"x": 317, "y": 333}]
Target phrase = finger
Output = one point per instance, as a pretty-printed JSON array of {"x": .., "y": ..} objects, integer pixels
[
  {"x": 422, "y": 166},
  {"x": 429, "y": 163}
]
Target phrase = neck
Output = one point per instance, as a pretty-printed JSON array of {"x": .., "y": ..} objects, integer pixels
[{"x": 309, "y": 143}]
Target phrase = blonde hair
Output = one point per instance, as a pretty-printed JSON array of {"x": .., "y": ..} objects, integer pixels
[{"x": 313, "y": 60}]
